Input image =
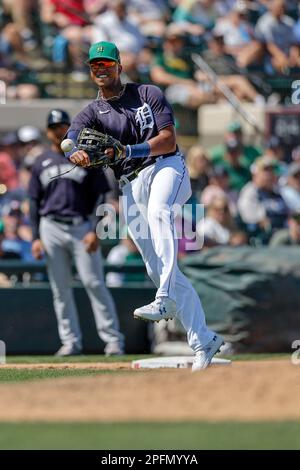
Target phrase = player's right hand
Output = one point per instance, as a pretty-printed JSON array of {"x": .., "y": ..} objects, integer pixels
[
  {"x": 80, "y": 157},
  {"x": 37, "y": 249}
]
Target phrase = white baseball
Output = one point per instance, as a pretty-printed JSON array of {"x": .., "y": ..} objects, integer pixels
[{"x": 67, "y": 145}]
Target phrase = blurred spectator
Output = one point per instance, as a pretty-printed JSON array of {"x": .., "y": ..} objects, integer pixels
[
  {"x": 297, "y": 26},
  {"x": 296, "y": 154},
  {"x": 95, "y": 7},
  {"x": 114, "y": 26},
  {"x": 276, "y": 31},
  {"x": 290, "y": 191},
  {"x": 219, "y": 188},
  {"x": 249, "y": 152},
  {"x": 234, "y": 161},
  {"x": 62, "y": 14},
  {"x": 8, "y": 172},
  {"x": 196, "y": 12},
  {"x": 217, "y": 225},
  {"x": 149, "y": 15},
  {"x": 21, "y": 13},
  {"x": 261, "y": 207},
  {"x": 224, "y": 65},
  {"x": 290, "y": 235},
  {"x": 17, "y": 238},
  {"x": 12, "y": 146},
  {"x": 29, "y": 135},
  {"x": 223, "y": 7},
  {"x": 198, "y": 166},
  {"x": 238, "y": 238},
  {"x": 30, "y": 138},
  {"x": 50, "y": 35},
  {"x": 18, "y": 62},
  {"x": 235, "y": 28},
  {"x": 23, "y": 91},
  {"x": 174, "y": 71},
  {"x": 275, "y": 150},
  {"x": 71, "y": 23}
]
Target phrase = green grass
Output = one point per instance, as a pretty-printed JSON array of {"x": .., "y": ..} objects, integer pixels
[
  {"x": 19, "y": 375},
  {"x": 83, "y": 358},
  {"x": 126, "y": 358},
  {"x": 157, "y": 436},
  {"x": 134, "y": 436}
]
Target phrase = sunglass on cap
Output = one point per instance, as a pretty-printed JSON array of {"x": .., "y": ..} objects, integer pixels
[{"x": 103, "y": 63}]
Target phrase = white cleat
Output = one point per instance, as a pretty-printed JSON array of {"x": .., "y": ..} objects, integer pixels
[
  {"x": 203, "y": 358},
  {"x": 162, "y": 308}
]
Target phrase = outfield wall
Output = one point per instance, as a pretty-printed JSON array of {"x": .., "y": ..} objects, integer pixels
[
  {"x": 250, "y": 295},
  {"x": 209, "y": 122},
  {"x": 28, "y": 323}
]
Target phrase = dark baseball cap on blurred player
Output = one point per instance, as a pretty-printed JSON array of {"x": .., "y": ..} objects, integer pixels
[
  {"x": 11, "y": 138},
  {"x": 58, "y": 116},
  {"x": 104, "y": 50},
  {"x": 234, "y": 126},
  {"x": 273, "y": 142}
]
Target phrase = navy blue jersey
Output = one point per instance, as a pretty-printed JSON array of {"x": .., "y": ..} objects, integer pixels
[
  {"x": 73, "y": 194},
  {"x": 135, "y": 117}
]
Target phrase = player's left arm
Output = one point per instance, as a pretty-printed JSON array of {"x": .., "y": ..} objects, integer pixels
[{"x": 164, "y": 142}]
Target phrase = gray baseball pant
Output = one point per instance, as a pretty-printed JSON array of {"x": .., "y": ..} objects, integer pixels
[{"x": 62, "y": 244}]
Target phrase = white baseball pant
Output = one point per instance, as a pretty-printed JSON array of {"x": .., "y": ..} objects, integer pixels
[
  {"x": 154, "y": 192},
  {"x": 62, "y": 244}
]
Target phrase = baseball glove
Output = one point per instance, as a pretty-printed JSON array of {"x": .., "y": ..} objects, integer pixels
[{"x": 95, "y": 143}]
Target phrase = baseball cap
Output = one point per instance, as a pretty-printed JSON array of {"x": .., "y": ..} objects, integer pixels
[
  {"x": 58, "y": 116},
  {"x": 12, "y": 207},
  {"x": 273, "y": 142},
  {"x": 215, "y": 34},
  {"x": 234, "y": 126},
  {"x": 104, "y": 50},
  {"x": 264, "y": 162},
  {"x": 11, "y": 138},
  {"x": 28, "y": 134},
  {"x": 219, "y": 171},
  {"x": 240, "y": 6}
]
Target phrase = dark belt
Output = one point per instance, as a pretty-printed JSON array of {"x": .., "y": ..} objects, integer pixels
[{"x": 76, "y": 220}]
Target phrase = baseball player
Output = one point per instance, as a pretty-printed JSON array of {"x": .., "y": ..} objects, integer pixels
[
  {"x": 153, "y": 177},
  {"x": 60, "y": 210}
]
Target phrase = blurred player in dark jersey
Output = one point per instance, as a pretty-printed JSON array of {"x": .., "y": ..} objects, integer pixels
[{"x": 62, "y": 228}]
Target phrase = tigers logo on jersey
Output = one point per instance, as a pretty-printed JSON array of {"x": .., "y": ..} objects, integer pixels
[{"x": 144, "y": 118}]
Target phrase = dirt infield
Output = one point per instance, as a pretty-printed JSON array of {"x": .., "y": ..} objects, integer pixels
[{"x": 244, "y": 391}]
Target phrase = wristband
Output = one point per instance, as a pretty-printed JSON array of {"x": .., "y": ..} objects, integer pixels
[{"x": 138, "y": 150}]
